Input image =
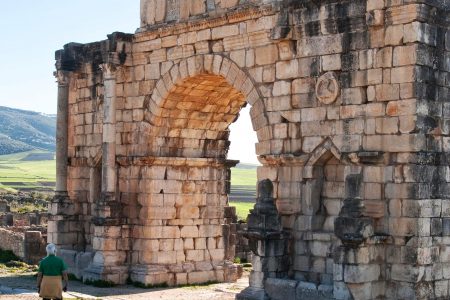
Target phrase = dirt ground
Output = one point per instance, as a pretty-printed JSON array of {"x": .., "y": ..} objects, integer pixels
[{"x": 13, "y": 286}]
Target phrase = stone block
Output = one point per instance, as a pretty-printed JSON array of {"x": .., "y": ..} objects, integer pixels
[
  {"x": 181, "y": 278},
  {"x": 387, "y": 92},
  {"x": 303, "y": 86},
  {"x": 224, "y": 31},
  {"x": 387, "y": 125},
  {"x": 320, "y": 45},
  {"x": 331, "y": 62},
  {"x": 394, "y": 35},
  {"x": 287, "y": 50},
  {"x": 189, "y": 232},
  {"x": 383, "y": 58},
  {"x": 200, "y": 277},
  {"x": 361, "y": 273},
  {"x": 441, "y": 289},
  {"x": 354, "y": 96},
  {"x": 266, "y": 55},
  {"x": 287, "y": 69},
  {"x": 403, "y": 74},
  {"x": 406, "y": 273},
  {"x": 405, "y": 55},
  {"x": 341, "y": 291},
  {"x": 216, "y": 254},
  {"x": 374, "y": 76},
  {"x": 306, "y": 290},
  {"x": 195, "y": 255},
  {"x": 281, "y": 88},
  {"x": 280, "y": 289},
  {"x": 69, "y": 257},
  {"x": 420, "y": 32}
]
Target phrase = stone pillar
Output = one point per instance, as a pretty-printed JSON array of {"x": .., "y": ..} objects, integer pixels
[
  {"x": 61, "y": 208},
  {"x": 269, "y": 243},
  {"x": 34, "y": 247},
  {"x": 62, "y": 124},
  {"x": 109, "y": 261},
  {"x": 109, "y": 180},
  {"x": 109, "y": 130}
]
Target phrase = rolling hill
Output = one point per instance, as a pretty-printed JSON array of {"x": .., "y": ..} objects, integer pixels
[{"x": 22, "y": 130}]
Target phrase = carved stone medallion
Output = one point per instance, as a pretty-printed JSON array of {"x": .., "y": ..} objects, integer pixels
[{"x": 327, "y": 88}]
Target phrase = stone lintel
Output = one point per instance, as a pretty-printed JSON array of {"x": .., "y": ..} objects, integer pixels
[
  {"x": 174, "y": 161},
  {"x": 283, "y": 160}
]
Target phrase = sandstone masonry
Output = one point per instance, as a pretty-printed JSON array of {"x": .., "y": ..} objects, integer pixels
[{"x": 350, "y": 103}]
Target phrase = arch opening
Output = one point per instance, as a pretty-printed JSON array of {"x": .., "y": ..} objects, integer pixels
[
  {"x": 185, "y": 187},
  {"x": 193, "y": 119}
]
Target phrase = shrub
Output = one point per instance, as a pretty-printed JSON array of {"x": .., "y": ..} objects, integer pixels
[{"x": 7, "y": 256}]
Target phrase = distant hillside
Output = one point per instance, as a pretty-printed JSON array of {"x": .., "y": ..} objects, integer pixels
[
  {"x": 22, "y": 130},
  {"x": 246, "y": 166}
]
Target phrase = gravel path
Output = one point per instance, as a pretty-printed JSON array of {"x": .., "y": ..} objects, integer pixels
[{"x": 14, "y": 286}]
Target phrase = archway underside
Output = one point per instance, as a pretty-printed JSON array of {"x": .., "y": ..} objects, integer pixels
[{"x": 196, "y": 114}]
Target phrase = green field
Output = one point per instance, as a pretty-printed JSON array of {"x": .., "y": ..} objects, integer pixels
[
  {"x": 243, "y": 189},
  {"x": 18, "y": 173}
]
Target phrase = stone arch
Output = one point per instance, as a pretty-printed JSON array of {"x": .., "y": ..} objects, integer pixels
[{"x": 200, "y": 97}]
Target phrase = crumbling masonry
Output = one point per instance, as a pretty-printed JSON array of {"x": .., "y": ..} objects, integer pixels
[{"x": 350, "y": 101}]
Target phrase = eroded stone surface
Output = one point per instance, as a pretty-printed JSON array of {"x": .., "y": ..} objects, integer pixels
[{"x": 147, "y": 140}]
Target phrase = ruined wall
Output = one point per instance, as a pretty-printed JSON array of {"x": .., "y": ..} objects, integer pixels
[
  {"x": 12, "y": 241},
  {"x": 27, "y": 244},
  {"x": 348, "y": 100},
  {"x": 23, "y": 219}
]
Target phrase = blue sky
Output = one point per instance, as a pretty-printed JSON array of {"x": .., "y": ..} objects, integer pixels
[{"x": 32, "y": 30}]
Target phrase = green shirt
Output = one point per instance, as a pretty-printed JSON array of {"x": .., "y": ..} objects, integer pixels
[{"x": 52, "y": 266}]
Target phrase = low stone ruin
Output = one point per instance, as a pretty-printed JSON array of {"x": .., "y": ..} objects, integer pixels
[
  {"x": 25, "y": 234},
  {"x": 27, "y": 243}
]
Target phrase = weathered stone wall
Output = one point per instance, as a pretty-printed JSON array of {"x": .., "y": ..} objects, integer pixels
[
  {"x": 23, "y": 219},
  {"x": 242, "y": 248},
  {"x": 348, "y": 100},
  {"x": 12, "y": 241},
  {"x": 28, "y": 245},
  {"x": 34, "y": 246}
]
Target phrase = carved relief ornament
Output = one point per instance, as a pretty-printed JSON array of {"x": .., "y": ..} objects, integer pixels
[
  {"x": 62, "y": 77},
  {"x": 327, "y": 88},
  {"x": 109, "y": 70}
]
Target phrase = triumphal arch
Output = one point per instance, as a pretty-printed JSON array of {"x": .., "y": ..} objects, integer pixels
[{"x": 350, "y": 102}]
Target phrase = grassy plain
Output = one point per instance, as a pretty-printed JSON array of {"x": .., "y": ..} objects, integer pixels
[
  {"x": 18, "y": 173},
  {"x": 243, "y": 189}
]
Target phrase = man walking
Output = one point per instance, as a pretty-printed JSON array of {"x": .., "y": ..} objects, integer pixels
[{"x": 52, "y": 270}]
